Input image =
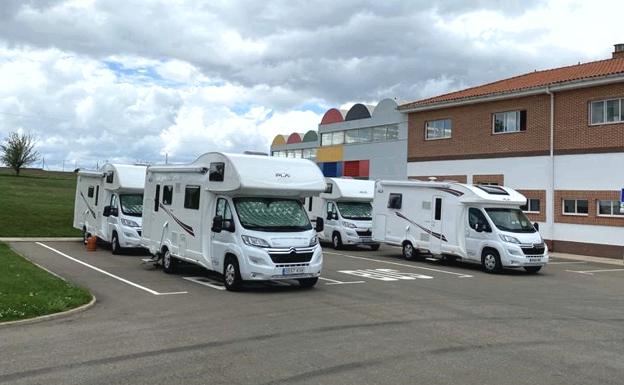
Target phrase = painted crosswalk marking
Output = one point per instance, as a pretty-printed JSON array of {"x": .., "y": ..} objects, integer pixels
[{"x": 387, "y": 275}]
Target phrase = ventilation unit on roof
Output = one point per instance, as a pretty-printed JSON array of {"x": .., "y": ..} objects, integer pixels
[{"x": 618, "y": 53}]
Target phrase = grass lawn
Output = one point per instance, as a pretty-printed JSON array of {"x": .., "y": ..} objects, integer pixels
[
  {"x": 37, "y": 203},
  {"x": 27, "y": 291}
]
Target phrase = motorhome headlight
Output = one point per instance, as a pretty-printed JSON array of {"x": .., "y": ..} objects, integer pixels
[
  {"x": 313, "y": 241},
  {"x": 253, "y": 241},
  {"x": 348, "y": 225},
  {"x": 509, "y": 238},
  {"x": 129, "y": 223}
]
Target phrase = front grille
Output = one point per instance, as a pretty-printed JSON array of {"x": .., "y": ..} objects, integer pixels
[
  {"x": 537, "y": 249},
  {"x": 292, "y": 257},
  {"x": 366, "y": 233}
]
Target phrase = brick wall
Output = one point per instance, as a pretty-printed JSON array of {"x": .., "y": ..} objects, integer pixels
[
  {"x": 472, "y": 135},
  {"x": 592, "y": 217},
  {"x": 457, "y": 178},
  {"x": 536, "y": 194},
  {"x": 574, "y": 134},
  {"x": 498, "y": 179}
]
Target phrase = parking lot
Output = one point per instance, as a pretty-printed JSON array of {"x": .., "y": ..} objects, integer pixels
[{"x": 372, "y": 318}]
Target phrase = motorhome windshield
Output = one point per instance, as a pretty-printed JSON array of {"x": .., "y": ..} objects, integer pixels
[
  {"x": 272, "y": 214},
  {"x": 355, "y": 210},
  {"x": 512, "y": 220},
  {"x": 131, "y": 204}
]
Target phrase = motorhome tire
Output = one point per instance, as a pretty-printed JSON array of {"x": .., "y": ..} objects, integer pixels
[
  {"x": 374, "y": 247},
  {"x": 336, "y": 241},
  {"x": 532, "y": 269},
  {"x": 308, "y": 282},
  {"x": 115, "y": 247},
  {"x": 169, "y": 262},
  {"x": 231, "y": 274},
  {"x": 409, "y": 252},
  {"x": 490, "y": 261}
]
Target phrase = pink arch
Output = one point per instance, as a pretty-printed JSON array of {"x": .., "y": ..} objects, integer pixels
[{"x": 293, "y": 138}]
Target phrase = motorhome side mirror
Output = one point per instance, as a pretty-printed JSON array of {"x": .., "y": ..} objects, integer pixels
[
  {"x": 330, "y": 216},
  {"x": 229, "y": 226},
  {"x": 479, "y": 227},
  {"x": 114, "y": 211},
  {"x": 217, "y": 224},
  {"x": 536, "y": 225},
  {"x": 107, "y": 211},
  {"x": 320, "y": 225}
]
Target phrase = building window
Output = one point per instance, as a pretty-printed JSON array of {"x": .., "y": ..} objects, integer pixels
[
  {"x": 606, "y": 111},
  {"x": 167, "y": 195},
  {"x": 509, "y": 121},
  {"x": 332, "y": 138},
  {"x": 532, "y": 206},
  {"x": 575, "y": 207},
  {"x": 438, "y": 129},
  {"x": 609, "y": 208},
  {"x": 191, "y": 197},
  {"x": 392, "y": 132}
]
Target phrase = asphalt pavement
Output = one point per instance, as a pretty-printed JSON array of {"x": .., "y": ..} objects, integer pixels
[{"x": 373, "y": 318}]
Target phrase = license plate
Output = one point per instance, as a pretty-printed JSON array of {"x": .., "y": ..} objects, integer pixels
[
  {"x": 292, "y": 270},
  {"x": 536, "y": 259}
]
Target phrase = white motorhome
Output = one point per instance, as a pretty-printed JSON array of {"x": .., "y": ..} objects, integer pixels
[
  {"x": 479, "y": 223},
  {"x": 346, "y": 206},
  {"x": 109, "y": 203},
  {"x": 239, "y": 215}
]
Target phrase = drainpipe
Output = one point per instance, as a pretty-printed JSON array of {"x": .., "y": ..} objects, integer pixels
[{"x": 551, "y": 213}]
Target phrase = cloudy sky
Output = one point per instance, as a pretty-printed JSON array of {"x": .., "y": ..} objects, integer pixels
[{"x": 132, "y": 81}]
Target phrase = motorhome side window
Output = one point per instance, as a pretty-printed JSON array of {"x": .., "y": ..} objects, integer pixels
[
  {"x": 395, "y": 201},
  {"x": 217, "y": 171},
  {"x": 97, "y": 194},
  {"x": 476, "y": 216},
  {"x": 90, "y": 192},
  {"x": 438, "y": 209},
  {"x": 109, "y": 177},
  {"x": 167, "y": 195},
  {"x": 191, "y": 197},
  {"x": 328, "y": 188},
  {"x": 157, "y": 198},
  {"x": 113, "y": 201}
]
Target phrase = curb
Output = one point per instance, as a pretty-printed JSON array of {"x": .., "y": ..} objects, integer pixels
[
  {"x": 47, "y": 317},
  {"x": 587, "y": 258},
  {"x": 40, "y": 239}
]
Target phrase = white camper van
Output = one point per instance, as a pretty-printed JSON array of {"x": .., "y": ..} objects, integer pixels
[
  {"x": 346, "y": 206},
  {"x": 479, "y": 223},
  {"x": 239, "y": 215},
  {"x": 109, "y": 204}
]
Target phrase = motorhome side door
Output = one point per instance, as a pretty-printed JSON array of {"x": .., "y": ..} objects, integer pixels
[
  {"x": 112, "y": 220},
  {"x": 476, "y": 231},
  {"x": 435, "y": 245},
  {"x": 220, "y": 241}
]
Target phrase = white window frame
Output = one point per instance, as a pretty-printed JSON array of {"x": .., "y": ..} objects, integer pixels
[
  {"x": 612, "y": 215},
  {"x": 604, "y": 111},
  {"x": 575, "y": 213},
  {"x": 440, "y": 137},
  {"x": 518, "y": 120},
  {"x": 528, "y": 211}
]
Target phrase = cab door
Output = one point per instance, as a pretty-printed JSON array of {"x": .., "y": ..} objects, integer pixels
[
  {"x": 220, "y": 241},
  {"x": 331, "y": 220},
  {"x": 476, "y": 232},
  {"x": 112, "y": 220},
  {"x": 437, "y": 233}
]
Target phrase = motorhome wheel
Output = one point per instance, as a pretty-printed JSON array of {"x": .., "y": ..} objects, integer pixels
[
  {"x": 231, "y": 275},
  {"x": 115, "y": 247},
  {"x": 169, "y": 262},
  {"x": 336, "y": 241},
  {"x": 308, "y": 282},
  {"x": 374, "y": 247},
  {"x": 532, "y": 269},
  {"x": 408, "y": 251},
  {"x": 491, "y": 261}
]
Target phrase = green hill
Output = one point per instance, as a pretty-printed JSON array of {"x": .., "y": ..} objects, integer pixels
[{"x": 37, "y": 203}]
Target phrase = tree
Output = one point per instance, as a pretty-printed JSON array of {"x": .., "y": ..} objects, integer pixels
[{"x": 18, "y": 150}]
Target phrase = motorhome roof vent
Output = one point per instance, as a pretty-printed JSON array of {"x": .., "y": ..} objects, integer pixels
[{"x": 494, "y": 190}]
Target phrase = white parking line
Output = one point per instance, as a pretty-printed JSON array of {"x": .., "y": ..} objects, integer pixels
[
  {"x": 335, "y": 282},
  {"x": 205, "y": 282},
  {"x": 107, "y": 273},
  {"x": 591, "y": 272},
  {"x": 459, "y": 275}
]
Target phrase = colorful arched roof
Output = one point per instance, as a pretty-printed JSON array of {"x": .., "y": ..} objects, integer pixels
[
  {"x": 295, "y": 137},
  {"x": 279, "y": 140},
  {"x": 333, "y": 115},
  {"x": 310, "y": 136},
  {"x": 359, "y": 111}
]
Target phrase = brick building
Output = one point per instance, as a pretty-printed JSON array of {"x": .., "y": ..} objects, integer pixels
[{"x": 555, "y": 135}]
